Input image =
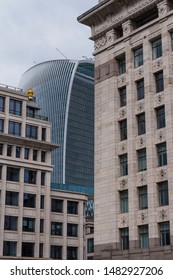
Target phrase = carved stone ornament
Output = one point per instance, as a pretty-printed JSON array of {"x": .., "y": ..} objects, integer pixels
[
  {"x": 139, "y": 73},
  {"x": 121, "y": 80},
  {"x": 142, "y": 179},
  {"x": 159, "y": 99},
  {"x": 122, "y": 113},
  {"x": 123, "y": 221},
  {"x": 140, "y": 106},
  {"x": 157, "y": 65},
  {"x": 141, "y": 141},
  {"x": 142, "y": 217},
  {"x": 162, "y": 8},
  {"x": 161, "y": 174},
  {"x": 123, "y": 184},
  {"x": 123, "y": 147},
  {"x": 161, "y": 136},
  {"x": 100, "y": 43},
  {"x": 163, "y": 214}
]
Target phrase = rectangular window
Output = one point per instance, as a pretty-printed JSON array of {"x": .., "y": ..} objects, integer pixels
[
  {"x": 157, "y": 48},
  {"x": 31, "y": 131},
  {"x": 30, "y": 112},
  {"x": 164, "y": 233},
  {"x": 124, "y": 238},
  {"x": 90, "y": 245},
  {"x": 1, "y": 149},
  {"x": 141, "y": 124},
  {"x": 29, "y": 200},
  {"x": 0, "y": 174},
  {"x": 9, "y": 150},
  {"x": 41, "y": 246},
  {"x": 26, "y": 153},
  {"x": 124, "y": 165},
  {"x": 41, "y": 225},
  {"x": 162, "y": 154},
  {"x": 72, "y": 230},
  {"x": 123, "y": 130},
  {"x": 72, "y": 253},
  {"x": 138, "y": 57},
  {"x": 56, "y": 252},
  {"x": 9, "y": 248},
  {"x": 163, "y": 193},
  {"x": 122, "y": 65},
  {"x": 172, "y": 41},
  {"x": 142, "y": 160},
  {"x": 34, "y": 155},
  {"x": 143, "y": 197},
  {"x": 28, "y": 224},
  {"x": 15, "y": 107},
  {"x": 124, "y": 201},
  {"x": 160, "y": 116},
  {"x": 143, "y": 237},
  {"x": 56, "y": 228},
  {"x": 122, "y": 94},
  {"x": 43, "y": 174},
  {"x": 159, "y": 81},
  {"x": 12, "y": 174},
  {"x": 10, "y": 223},
  {"x": 140, "y": 89},
  {"x": 1, "y": 125},
  {"x": 2, "y": 103},
  {"x": 14, "y": 128},
  {"x": 12, "y": 198},
  {"x": 30, "y": 176},
  {"x": 28, "y": 249},
  {"x": 43, "y": 134},
  {"x": 72, "y": 207},
  {"x": 43, "y": 156},
  {"x": 18, "y": 152},
  {"x": 42, "y": 202},
  {"x": 56, "y": 205}
]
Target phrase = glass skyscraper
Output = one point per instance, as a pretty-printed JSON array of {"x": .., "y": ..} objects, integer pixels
[{"x": 64, "y": 90}]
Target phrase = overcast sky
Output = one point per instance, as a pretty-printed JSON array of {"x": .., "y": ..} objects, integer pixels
[{"x": 32, "y": 30}]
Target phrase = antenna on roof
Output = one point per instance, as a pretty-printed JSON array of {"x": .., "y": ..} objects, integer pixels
[{"x": 61, "y": 53}]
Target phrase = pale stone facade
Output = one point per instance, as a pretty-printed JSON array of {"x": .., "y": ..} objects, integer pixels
[{"x": 133, "y": 49}]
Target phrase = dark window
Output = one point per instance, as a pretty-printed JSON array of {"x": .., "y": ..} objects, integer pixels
[
  {"x": 140, "y": 89},
  {"x": 124, "y": 237},
  {"x": 163, "y": 193},
  {"x": 162, "y": 154},
  {"x": 1, "y": 149},
  {"x": 143, "y": 197},
  {"x": 122, "y": 65},
  {"x": 43, "y": 156},
  {"x": 14, "y": 128},
  {"x": 138, "y": 57},
  {"x": 42, "y": 202},
  {"x": 34, "y": 156},
  {"x": 0, "y": 174},
  {"x": 122, "y": 94},
  {"x": 160, "y": 115},
  {"x": 90, "y": 245},
  {"x": 157, "y": 48},
  {"x": 123, "y": 130},
  {"x": 12, "y": 198},
  {"x": 10, "y": 223},
  {"x": 26, "y": 153},
  {"x": 31, "y": 131},
  {"x": 2, "y": 103},
  {"x": 172, "y": 41},
  {"x": 143, "y": 237},
  {"x": 9, "y": 150},
  {"x": 41, "y": 246},
  {"x": 13, "y": 174},
  {"x": 15, "y": 107},
  {"x": 56, "y": 205},
  {"x": 29, "y": 224},
  {"x": 124, "y": 201},
  {"x": 30, "y": 176},
  {"x": 159, "y": 81},
  {"x": 72, "y": 230},
  {"x": 1, "y": 125},
  {"x": 72, "y": 253},
  {"x": 164, "y": 234},
  {"x": 27, "y": 249},
  {"x": 29, "y": 200},
  {"x": 56, "y": 228},
  {"x": 30, "y": 112},
  {"x": 43, "y": 174},
  {"x": 72, "y": 207},
  {"x": 123, "y": 165},
  {"x": 9, "y": 248},
  {"x": 41, "y": 225},
  {"x": 18, "y": 152},
  {"x": 142, "y": 160},
  {"x": 56, "y": 252},
  {"x": 141, "y": 123},
  {"x": 43, "y": 134}
]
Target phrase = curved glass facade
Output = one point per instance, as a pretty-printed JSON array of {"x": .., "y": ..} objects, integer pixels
[{"x": 64, "y": 90}]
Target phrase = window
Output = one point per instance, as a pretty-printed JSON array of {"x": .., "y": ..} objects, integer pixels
[
  {"x": 159, "y": 81},
  {"x": 122, "y": 94},
  {"x": 43, "y": 156},
  {"x": 29, "y": 224},
  {"x": 14, "y": 128},
  {"x": 9, "y": 248},
  {"x": 160, "y": 115},
  {"x": 142, "y": 160},
  {"x": 1, "y": 149},
  {"x": 1, "y": 125},
  {"x": 143, "y": 197},
  {"x": 124, "y": 237},
  {"x": 162, "y": 154},
  {"x": 43, "y": 134},
  {"x": 26, "y": 153},
  {"x": 41, "y": 225},
  {"x": 10, "y": 223},
  {"x": 143, "y": 237},
  {"x": 138, "y": 57},
  {"x": 30, "y": 176},
  {"x": 90, "y": 245},
  {"x": 140, "y": 89},
  {"x": 164, "y": 233},
  {"x": 12, "y": 198},
  {"x": 157, "y": 48},
  {"x": 15, "y": 107},
  {"x": 56, "y": 252},
  {"x": 31, "y": 131},
  {"x": 27, "y": 249},
  {"x": 13, "y": 174},
  {"x": 41, "y": 245},
  {"x": 72, "y": 207},
  {"x": 123, "y": 165},
  {"x": 124, "y": 201},
  {"x": 29, "y": 200},
  {"x": 42, "y": 202},
  {"x": 18, "y": 152},
  {"x": 123, "y": 130},
  {"x": 163, "y": 193},
  {"x": 0, "y": 174},
  {"x": 122, "y": 65},
  {"x": 43, "y": 174},
  {"x": 56, "y": 228},
  {"x": 9, "y": 150},
  {"x": 72, "y": 253},
  {"x": 56, "y": 205},
  {"x": 72, "y": 230},
  {"x": 30, "y": 112},
  {"x": 2, "y": 103},
  {"x": 141, "y": 123},
  {"x": 34, "y": 155},
  {"x": 172, "y": 41}
]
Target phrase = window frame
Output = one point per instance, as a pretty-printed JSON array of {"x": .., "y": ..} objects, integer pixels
[
  {"x": 123, "y": 96},
  {"x": 162, "y": 154},
  {"x": 124, "y": 207},
  {"x": 143, "y": 236},
  {"x": 123, "y": 164},
  {"x": 160, "y": 117},
  {"x": 156, "y": 48},
  {"x": 142, "y": 160},
  {"x": 15, "y": 107},
  {"x": 124, "y": 238},
  {"x": 123, "y": 130},
  {"x": 164, "y": 229},
  {"x": 138, "y": 57},
  {"x": 163, "y": 193},
  {"x": 143, "y": 197},
  {"x": 141, "y": 124},
  {"x": 159, "y": 81}
]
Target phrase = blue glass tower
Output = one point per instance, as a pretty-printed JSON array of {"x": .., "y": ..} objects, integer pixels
[{"x": 65, "y": 93}]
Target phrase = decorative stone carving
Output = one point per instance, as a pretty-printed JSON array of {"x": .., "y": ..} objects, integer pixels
[
  {"x": 161, "y": 136},
  {"x": 163, "y": 214},
  {"x": 159, "y": 99},
  {"x": 122, "y": 148},
  {"x": 142, "y": 217},
  {"x": 140, "y": 107},
  {"x": 163, "y": 8},
  {"x": 157, "y": 65},
  {"x": 127, "y": 27},
  {"x": 121, "y": 80},
  {"x": 123, "y": 184},
  {"x": 122, "y": 113},
  {"x": 141, "y": 141},
  {"x": 139, "y": 73},
  {"x": 161, "y": 174},
  {"x": 141, "y": 179},
  {"x": 100, "y": 43},
  {"x": 123, "y": 221}
]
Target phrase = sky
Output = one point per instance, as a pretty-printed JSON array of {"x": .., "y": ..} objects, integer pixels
[{"x": 31, "y": 31}]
